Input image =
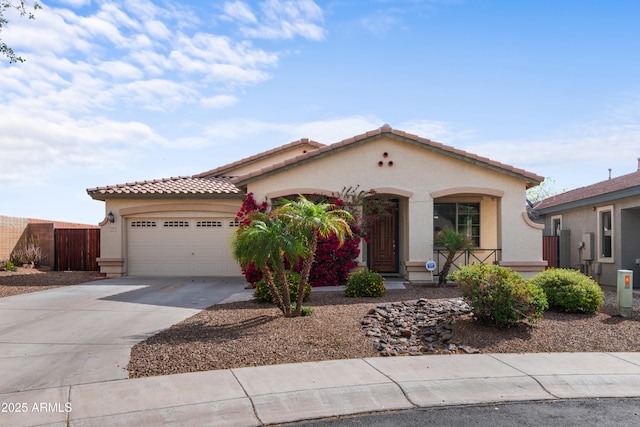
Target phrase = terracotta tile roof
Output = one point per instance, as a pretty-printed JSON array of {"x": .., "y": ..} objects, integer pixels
[
  {"x": 184, "y": 185},
  {"x": 223, "y": 170},
  {"x": 386, "y": 130},
  {"x": 614, "y": 185}
]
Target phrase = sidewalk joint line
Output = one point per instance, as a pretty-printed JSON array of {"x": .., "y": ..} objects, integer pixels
[
  {"x": 620, "y": 358},
  {"x": 406, "y": 396},
  {"x": 528, "y": 375},
  {"x": 68, "y": 420},
  {"x": 253, "y": 406}
]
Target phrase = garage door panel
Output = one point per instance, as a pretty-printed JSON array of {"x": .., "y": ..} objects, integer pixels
[{"x": 184, "y": 246}]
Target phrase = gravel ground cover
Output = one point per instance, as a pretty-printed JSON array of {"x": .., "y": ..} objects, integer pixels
[
  {"x": 27, "y": 280},
  {"x": 252, "y": 333}
]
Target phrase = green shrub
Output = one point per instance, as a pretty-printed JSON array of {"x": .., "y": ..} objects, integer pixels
[
  {"x": 263, "y": 293},
  {"x": 364, "y": 283},
  {"x": 499, "y": 295},
  {"x": 305, "y": 310},
  {"x": 570, "y": 290},
  {"x": 8, "y": 266}
]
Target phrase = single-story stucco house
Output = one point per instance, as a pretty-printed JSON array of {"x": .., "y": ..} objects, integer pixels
[
  {"x": 598, "y": 227},
  {"x": 183, "y": 225}
]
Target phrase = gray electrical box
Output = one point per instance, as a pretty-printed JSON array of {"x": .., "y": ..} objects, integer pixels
[{"x": 587, "y": 250}]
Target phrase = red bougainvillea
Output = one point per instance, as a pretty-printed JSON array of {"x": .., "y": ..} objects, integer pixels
[
  {"x": 251, "y": 273},
  {"x": 333, "y": 261}
]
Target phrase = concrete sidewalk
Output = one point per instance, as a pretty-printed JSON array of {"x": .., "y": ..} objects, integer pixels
[{"x": 287, "y": 393}]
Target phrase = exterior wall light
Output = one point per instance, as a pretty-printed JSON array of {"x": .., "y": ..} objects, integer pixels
[{"x": 111, "y": 217}]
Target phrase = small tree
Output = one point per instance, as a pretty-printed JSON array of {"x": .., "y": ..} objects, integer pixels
[
  {"x": 268, "y": 243},
  {"x": 308, "y": 221},
  {"x": 452, "y": 242}
]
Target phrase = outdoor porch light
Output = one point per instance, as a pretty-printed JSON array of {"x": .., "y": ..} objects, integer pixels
[{"x": 111, "y": 217}]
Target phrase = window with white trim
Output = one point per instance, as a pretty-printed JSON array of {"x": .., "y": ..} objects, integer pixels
[{"x": 606, "y": 227}]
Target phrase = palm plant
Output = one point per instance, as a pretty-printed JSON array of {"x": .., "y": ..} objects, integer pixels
[
  {"x": 308, "y": 221},
  {"x": 452, "y": 242},
  {"x": 267, "y": 242}
]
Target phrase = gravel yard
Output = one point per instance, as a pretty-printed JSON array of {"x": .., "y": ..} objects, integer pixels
[
  {"x": 34, "y": 279},
  {"x": 252, "y": 333}
]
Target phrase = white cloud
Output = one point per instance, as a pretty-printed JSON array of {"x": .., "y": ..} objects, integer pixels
[
  {"x": 39, "y": 144},
  {"x": 94, "y": 73},
  {"x": 219, "y": 101},
  {"x": 240, "y": 11},
  {"x": 278, "y": 19},
  {"x": 325, "y": 131}
]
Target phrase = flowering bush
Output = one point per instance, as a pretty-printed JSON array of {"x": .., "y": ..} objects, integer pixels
[
  {"x": 249, "y": 205},
  {"x": 333, "y": 261},
  {"x": 365, "y": 283}
]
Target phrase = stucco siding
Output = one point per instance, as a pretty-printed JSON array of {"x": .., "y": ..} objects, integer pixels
[
  {"x": 113, "y": 236},
  {"x": 388, "y": 163},
  {"x": 626, "y": 243}
]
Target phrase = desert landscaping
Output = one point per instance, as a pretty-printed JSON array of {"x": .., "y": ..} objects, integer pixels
[{"x": 253, "y": 333}]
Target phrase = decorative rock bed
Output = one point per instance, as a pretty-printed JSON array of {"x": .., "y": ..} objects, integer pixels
[{"x": 416, "y": 328}]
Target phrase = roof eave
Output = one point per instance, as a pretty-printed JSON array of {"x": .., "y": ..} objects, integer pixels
[
  {"x": 164, "y": 196},
  {"x": 593, "y": 200}
]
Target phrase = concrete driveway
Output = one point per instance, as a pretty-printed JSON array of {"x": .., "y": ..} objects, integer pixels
[{"x": 84, "y": 333}]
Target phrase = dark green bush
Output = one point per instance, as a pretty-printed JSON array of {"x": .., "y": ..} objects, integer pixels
[
  {"x": 263, "y": 293},
  {"x": 570, "y": 290},
  {"x": 364, "y": 283},
  {"x": 499, "y": 295}
]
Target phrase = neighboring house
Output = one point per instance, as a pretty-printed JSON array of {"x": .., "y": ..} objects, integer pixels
[
  {"x": 182, "y": 226},
  {"x": 598, "y": 227}
]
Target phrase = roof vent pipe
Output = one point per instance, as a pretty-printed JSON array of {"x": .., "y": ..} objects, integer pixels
[
  {"x": 609, "y": 173},
  {"x": 638, "y": 163}
]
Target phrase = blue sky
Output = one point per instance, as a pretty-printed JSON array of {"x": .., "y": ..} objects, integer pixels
[{"x": 122, "y": 91}]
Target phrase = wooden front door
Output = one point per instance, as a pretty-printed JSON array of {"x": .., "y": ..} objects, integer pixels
[{"x": 383, "y": 249}]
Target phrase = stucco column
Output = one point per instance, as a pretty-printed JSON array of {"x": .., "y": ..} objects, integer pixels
[
  {"x": 111, "y": 260},
  {"x": 521, "y": 238},
  {"x": 420, "y": 219}
]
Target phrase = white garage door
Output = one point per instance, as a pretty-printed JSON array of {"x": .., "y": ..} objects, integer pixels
[{"x": 181, "y": 247}]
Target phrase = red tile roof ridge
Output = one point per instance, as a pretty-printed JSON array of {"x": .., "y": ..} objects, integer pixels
[
  {"x": 382, "y": 130},
  {"x": 262, "y": 155}
]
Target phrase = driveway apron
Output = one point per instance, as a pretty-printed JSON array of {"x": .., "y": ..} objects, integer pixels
[{"x": 84, "y": 333}]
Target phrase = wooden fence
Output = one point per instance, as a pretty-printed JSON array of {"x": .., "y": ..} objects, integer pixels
[
  {"x": 77, "y": 249},
  {"x": 550, "y": 249}
]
